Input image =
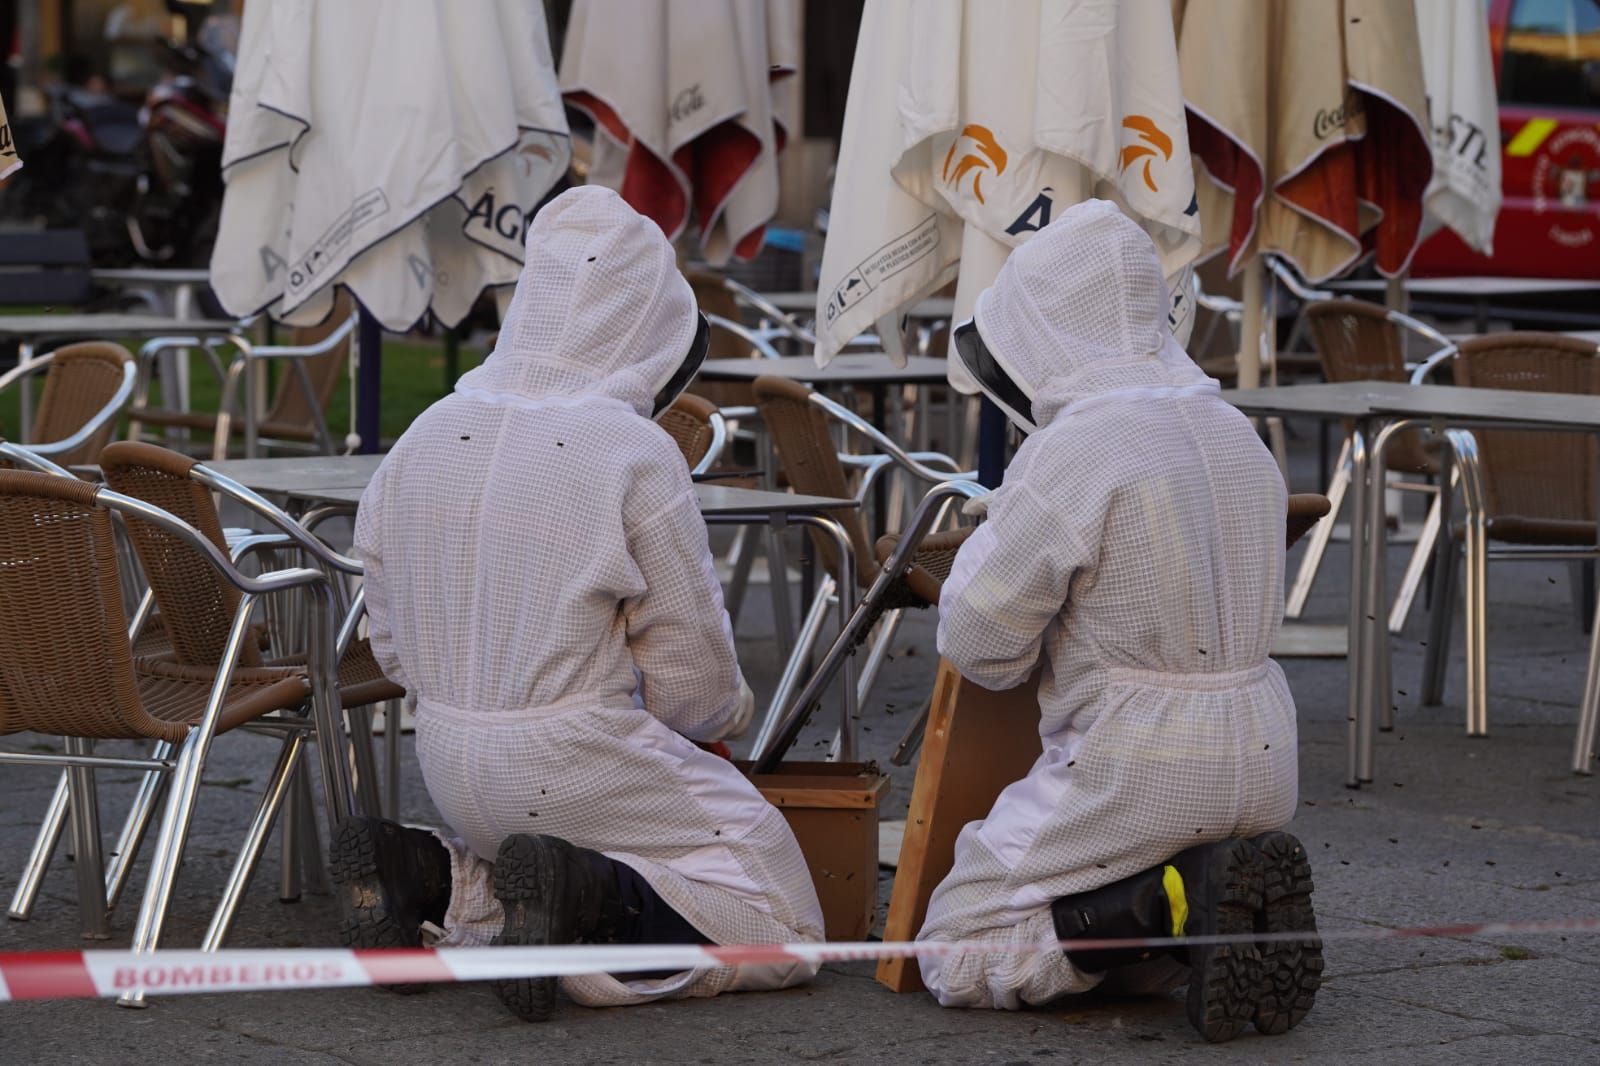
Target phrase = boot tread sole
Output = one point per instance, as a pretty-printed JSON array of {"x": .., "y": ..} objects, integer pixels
[
  {"x": 526, "y": 875},
  {"x": 367, "y": 920},
  {"x": 1293, "y": 968}
]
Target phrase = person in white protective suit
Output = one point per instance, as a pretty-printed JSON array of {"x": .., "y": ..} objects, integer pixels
[
  {"x": 538, "y": 578},
  {"x": 1135, "y": 552}
]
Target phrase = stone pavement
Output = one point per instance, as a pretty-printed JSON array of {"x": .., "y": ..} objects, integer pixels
[{"x": 1452, "y": 830}]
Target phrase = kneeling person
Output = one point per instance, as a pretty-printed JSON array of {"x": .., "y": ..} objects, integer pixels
[
  {"x": 539, "y": 579},
  {"x": 1136, "y": 547}
]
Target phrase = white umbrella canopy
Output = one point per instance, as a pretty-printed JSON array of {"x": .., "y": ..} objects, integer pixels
[
  {"x": 1458, "y": 70},
  {"x": 970, "y": 125},
  {"x": 394, "y": 147},
  {"x": 686, "y": 97}
]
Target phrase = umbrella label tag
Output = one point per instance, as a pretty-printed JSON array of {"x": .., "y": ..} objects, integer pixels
[
  {"x": 884, "y": 263},
  {"x": 330, "y": 247}
]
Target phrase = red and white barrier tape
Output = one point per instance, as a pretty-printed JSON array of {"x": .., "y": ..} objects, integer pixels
[{"x": 89, "y": 974}]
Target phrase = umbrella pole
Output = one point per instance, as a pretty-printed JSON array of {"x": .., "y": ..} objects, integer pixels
[
  {"x": 369, "y": 374},
  {"x": 991, "y": 445},
  {"x": 1250, "y": 326}
]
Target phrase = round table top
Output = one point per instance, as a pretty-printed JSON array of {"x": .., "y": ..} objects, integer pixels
[
  {"x": 109, "y": 326},
  {"x": 873, "y": 369}
]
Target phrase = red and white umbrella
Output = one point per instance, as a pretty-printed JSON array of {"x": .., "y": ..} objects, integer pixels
[{"x": 685, "y": 97}]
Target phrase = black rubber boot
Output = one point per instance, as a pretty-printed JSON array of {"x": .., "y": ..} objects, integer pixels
[
  {"x": 555, "y": 892},
  {"x": 1293, "y": 969},
  {"x": 1209, "y": 890},
  {"x": 391, "y": 879}
]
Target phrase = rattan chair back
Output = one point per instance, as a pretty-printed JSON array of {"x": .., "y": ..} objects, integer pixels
[
  {"x": 688, "y": 423},
  {"x": 811, "y": 463},
  {"x": 1357, "y": 341},
  {"x": 195, "y": 602},
  {"x": 82, "y": 379},
  {"x": 716, "y": 299},
  {"x": 66, "y": 667},
  {"x": 291, "y": 415},
  {"x": 1542, "y": 482}
]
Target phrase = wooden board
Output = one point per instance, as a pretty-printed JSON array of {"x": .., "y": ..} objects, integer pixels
[{"x": 977, "y": 742}]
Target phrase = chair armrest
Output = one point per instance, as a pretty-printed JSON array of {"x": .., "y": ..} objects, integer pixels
[
  {"x": 112, "y": 408},
  {"x": 745, "y": 333},
  {"x": 1426, "y": 370},
  {"x": 719, "y": 441},
  {"x": 265, "y": 584},
  {"x": 912, "y": 464},
  {"x": 290, "y": 529},
  {"x": 787, "y": 325},
  {"x": 24, "y": 455}
]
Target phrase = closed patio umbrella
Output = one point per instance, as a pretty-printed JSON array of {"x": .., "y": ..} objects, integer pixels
[
  {"x": 970, "y": 125},
  {"x": 1308, "y": 120},
  {"x": 685, "y": 97},
  {"x": 1465, "y": 114},
  {"x": 394, "y": 147}
]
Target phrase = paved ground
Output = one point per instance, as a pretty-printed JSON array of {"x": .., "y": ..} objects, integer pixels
[{"x": 1452, "y": 830}]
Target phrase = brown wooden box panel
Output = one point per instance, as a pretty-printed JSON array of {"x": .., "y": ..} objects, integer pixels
[
  {"x": 977, "y": 742},
  {"x": 833, "y": 810}
]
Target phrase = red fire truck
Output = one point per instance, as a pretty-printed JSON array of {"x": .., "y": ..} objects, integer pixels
[{"x": 1547, "y": 68}]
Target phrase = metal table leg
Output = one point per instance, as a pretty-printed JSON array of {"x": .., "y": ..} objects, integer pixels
[{"x": 1359, "y": 687}]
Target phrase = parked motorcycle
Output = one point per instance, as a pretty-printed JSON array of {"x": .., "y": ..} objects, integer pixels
[{"x": 143, "y": 182}]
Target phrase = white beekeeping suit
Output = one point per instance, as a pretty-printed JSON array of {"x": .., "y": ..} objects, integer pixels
[
  {"x": 538, "y": 577},
  {"x": 1136, "y": 546}
]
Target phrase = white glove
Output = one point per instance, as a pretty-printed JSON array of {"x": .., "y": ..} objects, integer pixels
[
  {"x": 743, "y": 712},
  {"x": 977, "y": 506}
]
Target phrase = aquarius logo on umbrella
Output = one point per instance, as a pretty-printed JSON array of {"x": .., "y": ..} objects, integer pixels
[
  {"x": 983, "y": 153},
  {"x": 1155, "y": 141}
]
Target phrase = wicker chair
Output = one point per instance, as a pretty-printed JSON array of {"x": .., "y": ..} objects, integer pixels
[
  {"x": 1528, "y": 492},
  {"x": 85, "y": 388},
  {"x": 798, "y": 420},
  {"x": 195, "y": 603},
  {"x": 314, "y": 362},
  {"x": 1365, "y": 342},
  {"x": 195, "y": 607},
  {"x": 696, "y": 425},
  {"x": 67, "y": 669}
]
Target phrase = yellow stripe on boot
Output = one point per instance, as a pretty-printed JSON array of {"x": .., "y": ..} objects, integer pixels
[{"x": 1177, "y": 902}]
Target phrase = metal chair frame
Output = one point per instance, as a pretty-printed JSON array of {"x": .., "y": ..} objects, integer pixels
[
  {"x": 890, "y": 457},
  {"x": 107, "y": 413},
  {"x": 1474, "y": 556},
  {"x": 237, "y": 377},
  {"x": 186, "y": 762},
  {"x": 351, "y": 609},
  {"x": 778, "y": 737},
  {"x": 1343, "y": 470}
]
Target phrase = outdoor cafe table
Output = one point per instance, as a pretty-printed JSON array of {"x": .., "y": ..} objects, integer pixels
[
  {"x": 1377, "y": 412},
  {"x": 930, "y": 309},
  {"x": 339, "y": 481},
  {"x": 29, "y": 331},
  {"x": 1480, "y": 290}
]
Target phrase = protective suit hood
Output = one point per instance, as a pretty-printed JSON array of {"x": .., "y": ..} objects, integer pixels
[
  {"x": 600, "y": 311},
  {"x": 1076, "y": 315}
]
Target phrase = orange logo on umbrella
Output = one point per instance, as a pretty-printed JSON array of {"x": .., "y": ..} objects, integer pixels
[
  {"x": 1156, "y": 142},
  {"x": 984, "y": 154}
]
